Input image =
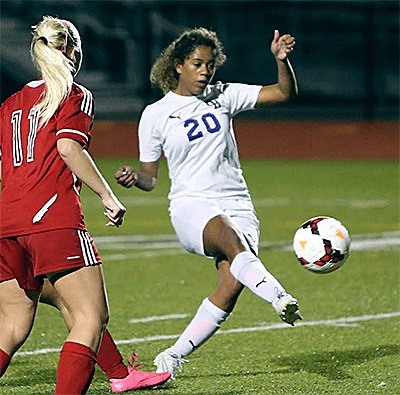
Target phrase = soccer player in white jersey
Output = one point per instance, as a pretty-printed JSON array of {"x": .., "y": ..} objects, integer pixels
[{"x": 210, "y": 205}]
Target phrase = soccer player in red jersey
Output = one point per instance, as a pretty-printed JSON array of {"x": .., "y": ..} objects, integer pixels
[{"x": 44, "y": 137}]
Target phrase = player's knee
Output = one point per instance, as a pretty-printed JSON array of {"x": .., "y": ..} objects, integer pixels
[
  {"x": 93, "y": 321},
  {"x": 20, "y": 338},
  {"x": 103, "y": 319},
  {"x": 17, "y": 332}
]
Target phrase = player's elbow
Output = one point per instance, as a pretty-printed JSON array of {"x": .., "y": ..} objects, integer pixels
[
  {"x": 149, "y": 185},
  {"x": 67, "y": 147},
  {"x": 290, "y": 94}
]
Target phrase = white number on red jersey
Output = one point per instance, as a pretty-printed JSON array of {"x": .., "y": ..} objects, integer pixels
[{"x": 16, "y": 118}]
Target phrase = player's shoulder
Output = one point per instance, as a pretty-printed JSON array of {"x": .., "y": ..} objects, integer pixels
[
  {"x": 236, "y": 90},
  {"x": 82, "y": 97},
  {"x": 162, "y": 102},
  {"x": 7, "y": 102},
  {"x": 27, "y": 89},
  {"x": 236, "y": 86},
  {"x": 157, "y": 108},
  {"x": 80, "y": 90},
  {"x": 221, "y": 91}
]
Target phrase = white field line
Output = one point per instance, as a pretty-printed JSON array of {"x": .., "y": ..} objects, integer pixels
[
  {"x": 149, "y": 246},
  {"x": 158, "y": 318},
  {"x": 142, "y": 255},
  {"x": 339, "y": 322},
  {"x": 91, "y": 199},
  {"x": 353, "y": 203},
  {"x": 261, "y": 202}
]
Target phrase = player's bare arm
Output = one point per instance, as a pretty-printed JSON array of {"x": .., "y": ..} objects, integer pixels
[
  {"x": 144, "y": 179},
  {"x": 82, "y": 165},
  {"x": 286, "y": 87}
]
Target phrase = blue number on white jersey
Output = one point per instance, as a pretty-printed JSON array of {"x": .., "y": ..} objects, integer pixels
[
  {"x": 210, "y": 121},
  {"x": 192, "y": 133}
]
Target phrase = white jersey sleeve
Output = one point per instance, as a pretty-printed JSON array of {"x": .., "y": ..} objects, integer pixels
[
  {"x": 150, "y": 138},
  {"x": 241, "y": 97}
]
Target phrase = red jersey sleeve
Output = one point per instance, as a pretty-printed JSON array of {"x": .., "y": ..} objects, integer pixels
[
  {"x": 1, "y": 130},
  {"x": 75, "y": 116}
]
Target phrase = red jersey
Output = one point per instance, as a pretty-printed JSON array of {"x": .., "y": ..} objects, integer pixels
[{"x": 39, "y": 191}]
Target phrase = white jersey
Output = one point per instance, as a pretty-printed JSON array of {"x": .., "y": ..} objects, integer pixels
[{"x": 197, "y": 139}]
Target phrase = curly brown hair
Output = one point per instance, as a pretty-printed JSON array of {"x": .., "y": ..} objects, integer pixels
[{"x": 163, "y": 72}]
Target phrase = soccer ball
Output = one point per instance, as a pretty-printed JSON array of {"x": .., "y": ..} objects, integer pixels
[{"x": 322, "y": 244}]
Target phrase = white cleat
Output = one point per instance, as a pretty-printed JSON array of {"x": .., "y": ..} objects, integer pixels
[
  {"x": 287, "y": 307},
  {"x": 169, "y": 361}
]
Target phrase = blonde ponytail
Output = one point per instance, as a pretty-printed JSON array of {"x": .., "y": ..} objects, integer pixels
[{"x": 51, "y": 38}]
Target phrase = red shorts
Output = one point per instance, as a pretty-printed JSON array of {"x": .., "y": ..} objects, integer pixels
[{"x": 29, "y": 258}]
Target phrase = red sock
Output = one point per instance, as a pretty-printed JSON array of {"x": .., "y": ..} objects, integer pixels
[
  {"x": 5, "y": 360},
  {"x": 75, "y": 369},
  {"x": 110, "y": 359}
]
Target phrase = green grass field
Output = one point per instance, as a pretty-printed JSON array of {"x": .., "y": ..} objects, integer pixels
[{"x": 348, "y": 342}]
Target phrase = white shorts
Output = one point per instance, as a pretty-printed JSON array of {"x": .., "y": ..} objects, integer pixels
[{"x": 189, "y": 216}]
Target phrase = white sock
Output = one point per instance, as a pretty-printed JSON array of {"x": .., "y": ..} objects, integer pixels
[
  {"x": 204, "y": 324},
  {"x": 250, "y": 271}
]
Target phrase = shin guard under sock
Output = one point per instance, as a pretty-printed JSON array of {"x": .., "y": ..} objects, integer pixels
[
  {"x": 250, "y": 271},
  {"x": 109, "y": 358},
  {"x": 75, "y": 369},
  {"x": 204, "y": 324}
]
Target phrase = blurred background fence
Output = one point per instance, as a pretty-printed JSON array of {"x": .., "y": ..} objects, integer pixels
[{"x": 346, "y": 59}]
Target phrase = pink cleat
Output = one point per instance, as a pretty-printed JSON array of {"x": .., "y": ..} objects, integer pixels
[{"x": 137, "y": 379}]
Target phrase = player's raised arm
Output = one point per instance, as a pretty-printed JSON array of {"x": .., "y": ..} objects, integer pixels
[{"x": 286, "y": 87}]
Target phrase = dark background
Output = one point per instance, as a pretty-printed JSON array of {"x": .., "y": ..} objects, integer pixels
[{"x": 346, "y": 58}]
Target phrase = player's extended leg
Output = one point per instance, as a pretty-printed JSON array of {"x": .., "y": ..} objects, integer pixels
[
  {"x": 221, "y": 237},
  {"x": 83, "y": 294},
  {"x": 108, "y": 358},
  {"x": 17, "y": 313}
]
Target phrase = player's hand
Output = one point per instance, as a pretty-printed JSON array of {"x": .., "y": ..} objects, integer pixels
[
  {"x": 114, "y": 211},
  {"x": 126, "y": 176},
  {"x": 282, "y": 46}
]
